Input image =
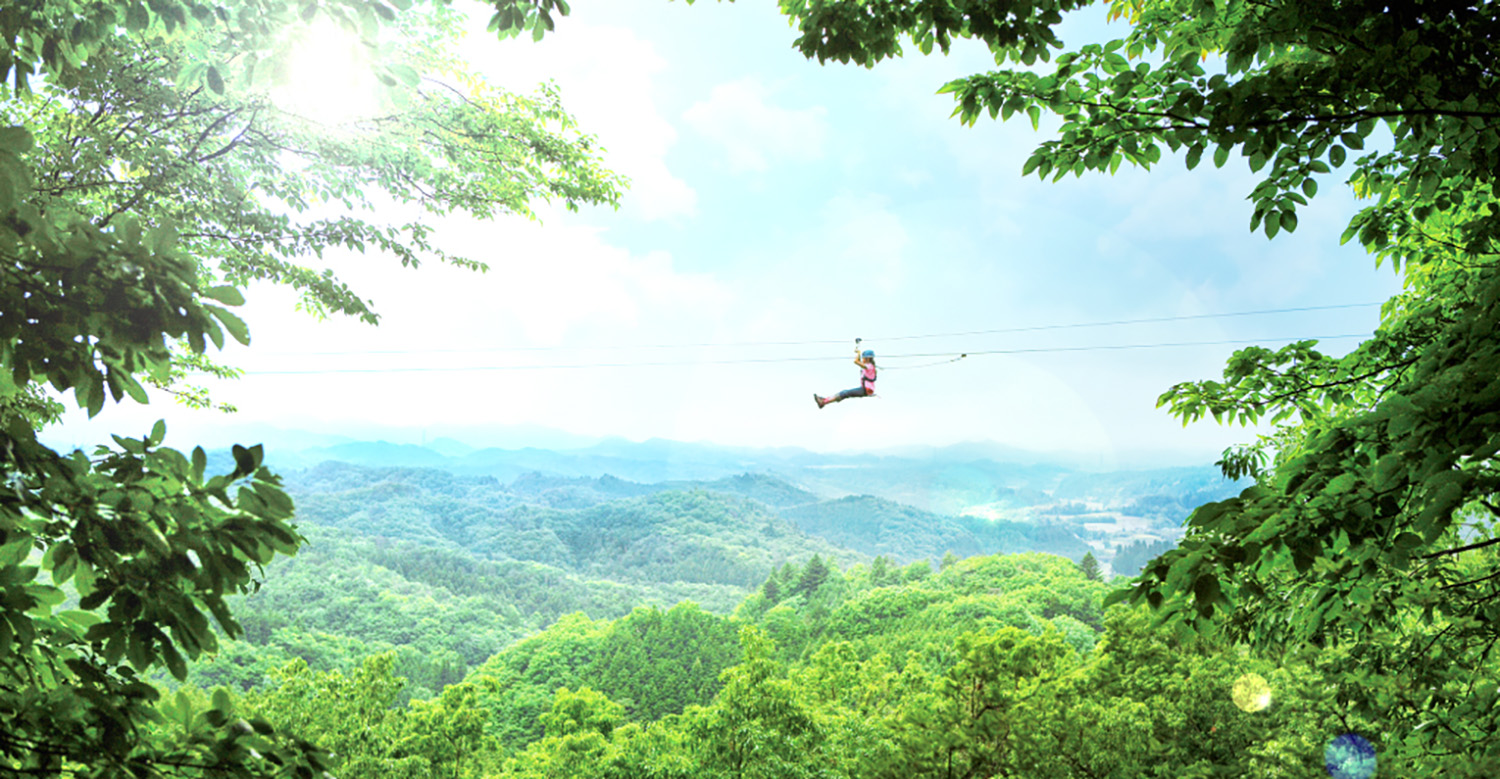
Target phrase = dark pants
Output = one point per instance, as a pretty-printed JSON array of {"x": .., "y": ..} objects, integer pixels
[{"x": 857, "y": 392}]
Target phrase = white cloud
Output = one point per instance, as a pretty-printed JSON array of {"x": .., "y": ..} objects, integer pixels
[
  {"x": 738, "y": 115},
  {"x": 607, "y": 80},
  {"x": 546, "y": 284},
  {"x": 870, "y": 237}
]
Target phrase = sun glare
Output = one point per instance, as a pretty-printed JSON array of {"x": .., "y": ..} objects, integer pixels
[
  {"x": 331, "y": 77},
  {"x": 1251, "y": 693}
]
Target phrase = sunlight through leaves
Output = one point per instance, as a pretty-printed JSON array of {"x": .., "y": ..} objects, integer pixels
[
  {"x": 1251, "y": 693},
  {"x": 330, "y": 77}
]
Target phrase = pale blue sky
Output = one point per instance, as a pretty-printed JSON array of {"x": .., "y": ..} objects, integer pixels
[{"x": 775, "y": 199}]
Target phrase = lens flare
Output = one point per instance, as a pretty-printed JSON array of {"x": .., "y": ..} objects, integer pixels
[
  {"x": 1251, "y": 693},
  {"x": 1349, "y": 757}
]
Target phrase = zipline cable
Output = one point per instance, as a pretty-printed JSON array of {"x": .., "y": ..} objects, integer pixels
[
  {"x": 923, "y": 365},
  {"x": 827, "y": 342},
  {"x": 1118, "y": 322},
  {"x": 950, "y": 357}
]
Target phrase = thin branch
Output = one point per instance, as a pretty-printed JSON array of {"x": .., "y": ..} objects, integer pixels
[
  {"x": 1485, "y": 578},
  {"x": 1341, "y": 382},
  {"x": 1462, "y": 549}
]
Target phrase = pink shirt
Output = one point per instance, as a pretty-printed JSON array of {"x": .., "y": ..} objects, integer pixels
[{"x": 867, "y": 377}]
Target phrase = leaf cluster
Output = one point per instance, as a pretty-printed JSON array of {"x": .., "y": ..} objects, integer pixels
[{"x": 139, "y": 547}]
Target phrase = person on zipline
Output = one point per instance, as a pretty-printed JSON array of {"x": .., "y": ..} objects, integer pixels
[{"x": 866, "y": 388}]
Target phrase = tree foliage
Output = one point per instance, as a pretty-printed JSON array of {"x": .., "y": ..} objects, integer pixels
[
  {"x": 146, "y": 178},
  {"x": 151, "y": 546},
  {"x": 1090, "y": 567}
]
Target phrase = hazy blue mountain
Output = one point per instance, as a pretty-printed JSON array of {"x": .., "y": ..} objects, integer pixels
[
  {"x": 880, "y": 527},
  {"x": 448, "y": 447},
  {"x": 969, "y": 498},
  {"x": 769, "y": 490}
]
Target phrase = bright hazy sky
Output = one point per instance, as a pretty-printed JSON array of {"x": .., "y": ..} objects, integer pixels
[{"x": 778, "y": 200}]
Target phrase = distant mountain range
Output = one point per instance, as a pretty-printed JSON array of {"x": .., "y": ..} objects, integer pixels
[
  {"x": 506, "y": 541},
  {"x": 908, "y": 506},
  {"x": 949, "y": 480}
]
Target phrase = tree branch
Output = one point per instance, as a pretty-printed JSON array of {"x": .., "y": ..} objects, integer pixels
[
  {"x": 1462, "y": 549},
  {"x": 1485, "y": 578}
]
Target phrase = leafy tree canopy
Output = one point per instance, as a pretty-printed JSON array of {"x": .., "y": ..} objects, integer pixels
[{"x": 146, "y": 177}]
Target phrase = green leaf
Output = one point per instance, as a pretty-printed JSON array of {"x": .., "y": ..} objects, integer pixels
[
  {"x": 90, "y": 394},
  {"x": 175, "y": 664},
  {"x": 1309, "y": 187},
  {"x": 1206, "y": 591},
  {"x": 16, "y": 140},
  {"x": 137, "y": 18},
  {"x": 83, "y": 619},
  {"x": 215, "y": 81},
  {"x": 191, "y": 74},
  {"x": 222, "y": 701},
  {"x": 138, "y": 652},
  {"x": 244, "y": 461},
  {"x": 158, "y": 432},
  {"x": 130, "y": 386},
  {"x": 1221, "y": 155},
  {"x": 227, "y": 294},
  {"x": 406, "y": 74},
  {"x": 64, "y": 562},
  {"x": 232, "y": 323},
  {"x": 46, "y": 596},
  {"x": 1336, "y": 155}
]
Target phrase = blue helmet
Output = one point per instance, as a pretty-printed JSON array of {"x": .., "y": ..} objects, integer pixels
[{"x": 868, "y": 354}]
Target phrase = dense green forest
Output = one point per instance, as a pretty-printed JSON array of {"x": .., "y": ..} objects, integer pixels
[
  {"x": 445, "y": 570},
  {"x": 991, "y": 666},
  {"x": 826, "y": 668},
  {"x": 1344, "y": 605}
]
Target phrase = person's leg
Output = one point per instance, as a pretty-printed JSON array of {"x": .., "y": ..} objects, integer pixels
[{"x": 857, "y": 392}]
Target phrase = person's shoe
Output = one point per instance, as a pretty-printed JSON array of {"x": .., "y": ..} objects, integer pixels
[{"x": 821, "y": 400}]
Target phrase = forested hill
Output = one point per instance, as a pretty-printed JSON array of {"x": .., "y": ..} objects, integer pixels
[
  {"x": 990, "y": 666},
  {"x": 876, "y": 526},
  {"x": 602, "y": 528},
  {"x": 1110, "y": 508},
  {"x": 447, "y": 569},
  {"x": 997, "y": 507}
]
